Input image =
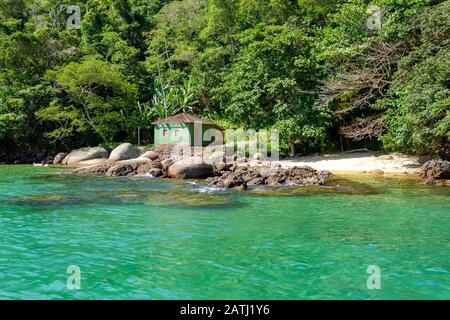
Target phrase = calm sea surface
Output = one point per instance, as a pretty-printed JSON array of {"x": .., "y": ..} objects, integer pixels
[{"x": 140, "y": 238}]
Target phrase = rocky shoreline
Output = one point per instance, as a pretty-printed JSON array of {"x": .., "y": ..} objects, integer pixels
[
  {"x": 436, "y": 172},
  {"x": 162, "y": 162},
  {"x": 218, "y": 171}
]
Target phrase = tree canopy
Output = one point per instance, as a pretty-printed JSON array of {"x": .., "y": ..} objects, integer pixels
[{"x": 373, "y": 73}]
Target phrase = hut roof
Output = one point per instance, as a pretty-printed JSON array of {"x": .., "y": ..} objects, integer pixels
[{"x": 184, "y": 118}]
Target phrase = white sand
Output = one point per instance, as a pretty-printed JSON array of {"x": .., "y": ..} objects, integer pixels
[{"x": 358, "y": 163}]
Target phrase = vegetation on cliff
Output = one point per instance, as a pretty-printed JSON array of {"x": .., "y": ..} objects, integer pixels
[{"x": 318, "y": 71}]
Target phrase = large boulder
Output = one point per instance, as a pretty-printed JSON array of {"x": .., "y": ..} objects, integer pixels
[
  {"x": 436, "y": 170},
  {"x": 59, "y": 158},
  {"x": 128, "y": 167},
  {"x": 190, "y": 168},
  {"x": 84, "y": 154},
  {"x": 125, "y": 151},
  {"x": 99, "y": 169},
  {"x": 152, "y": 155},
  {"x": 92, "y": 162}
]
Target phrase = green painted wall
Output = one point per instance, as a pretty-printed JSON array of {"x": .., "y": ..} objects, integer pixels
[
  {"x": 185, "y": 133},
  {"x": 183, "y": 137}
]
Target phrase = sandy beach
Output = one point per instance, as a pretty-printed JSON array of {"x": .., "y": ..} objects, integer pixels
[{"x": 359, "y": 162}]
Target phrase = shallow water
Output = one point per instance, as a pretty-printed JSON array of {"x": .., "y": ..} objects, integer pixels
[{"x": 141, "y": 238}]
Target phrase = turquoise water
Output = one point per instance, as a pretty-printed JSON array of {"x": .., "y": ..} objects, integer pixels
[{"x": 138, "y": 238}]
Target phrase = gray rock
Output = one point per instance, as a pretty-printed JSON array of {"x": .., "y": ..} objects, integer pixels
[
  {"x": 243, "y": 176},
  {"x": 125, "y": 151},
  {"x": 221, "y": 166},
  {"x": 425, "y": 158},
  {"x": 155, "y": 172},
  {"x": 190, "y": 168},
  {"x": 216, "y": 157},
  {"x": 436, "y": 169},
  {"x": 152, "y": 155},
  {"x": 59, "y": 157},
  {"x": 166, "y": 163},
  {"x": 142, "y": 149},
  {"x": 259, "y": 156},
  {"x": 92, "y": 162},
  {"x": 84, "y": 154},
  {"x": 128, "y": 167},
  {"x": 95, "y": 169},
  {"x": 152, "y": 167}
]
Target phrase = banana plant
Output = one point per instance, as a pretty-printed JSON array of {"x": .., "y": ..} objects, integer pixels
[
  {"x": 186, "y": 96},
  {"x": 170, "y": 100}
]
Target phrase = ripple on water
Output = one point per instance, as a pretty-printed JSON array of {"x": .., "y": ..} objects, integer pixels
[{"x": 155, "y": 239}]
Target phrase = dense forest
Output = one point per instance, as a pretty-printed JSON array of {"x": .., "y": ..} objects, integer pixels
[{"x": 328, "y": 74}]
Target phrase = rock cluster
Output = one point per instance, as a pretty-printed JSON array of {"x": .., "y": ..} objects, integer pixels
[
  {"x": 242, "y": 176},
  {"x": 59, "y": 158},
  {"x": 436, "y": 172},
  {"x": 126, "y": 160},
  {"x": 40, "y": 156},
  {"x": 125, "y": 151}
]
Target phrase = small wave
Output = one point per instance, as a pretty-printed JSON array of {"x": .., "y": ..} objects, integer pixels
[
  {"x": 145, "y": 175},
  {"x": 209, "y": 190}
]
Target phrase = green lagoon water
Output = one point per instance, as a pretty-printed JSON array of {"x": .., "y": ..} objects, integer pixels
[{"x": 141, "y": 238}]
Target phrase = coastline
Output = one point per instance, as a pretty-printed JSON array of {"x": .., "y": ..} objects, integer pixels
[
  {"x": 356, "y": 163},
  {"x": 360, "y": 163}
]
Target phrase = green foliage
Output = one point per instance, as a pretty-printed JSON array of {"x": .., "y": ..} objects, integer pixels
[
  {"x": 418, "y": 109},
  {"x": 398, "y": 74},
  {"x": 170, "y": 100},
  {"x": 306, "y": 68},
  {"x": 96, "y": 95},
  {"x": 271, "y": 84}
]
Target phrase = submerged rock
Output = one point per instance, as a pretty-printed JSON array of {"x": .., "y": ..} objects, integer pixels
[
  {"x": 41, "y": 199},
  {"x": 190, "y": 199}
]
